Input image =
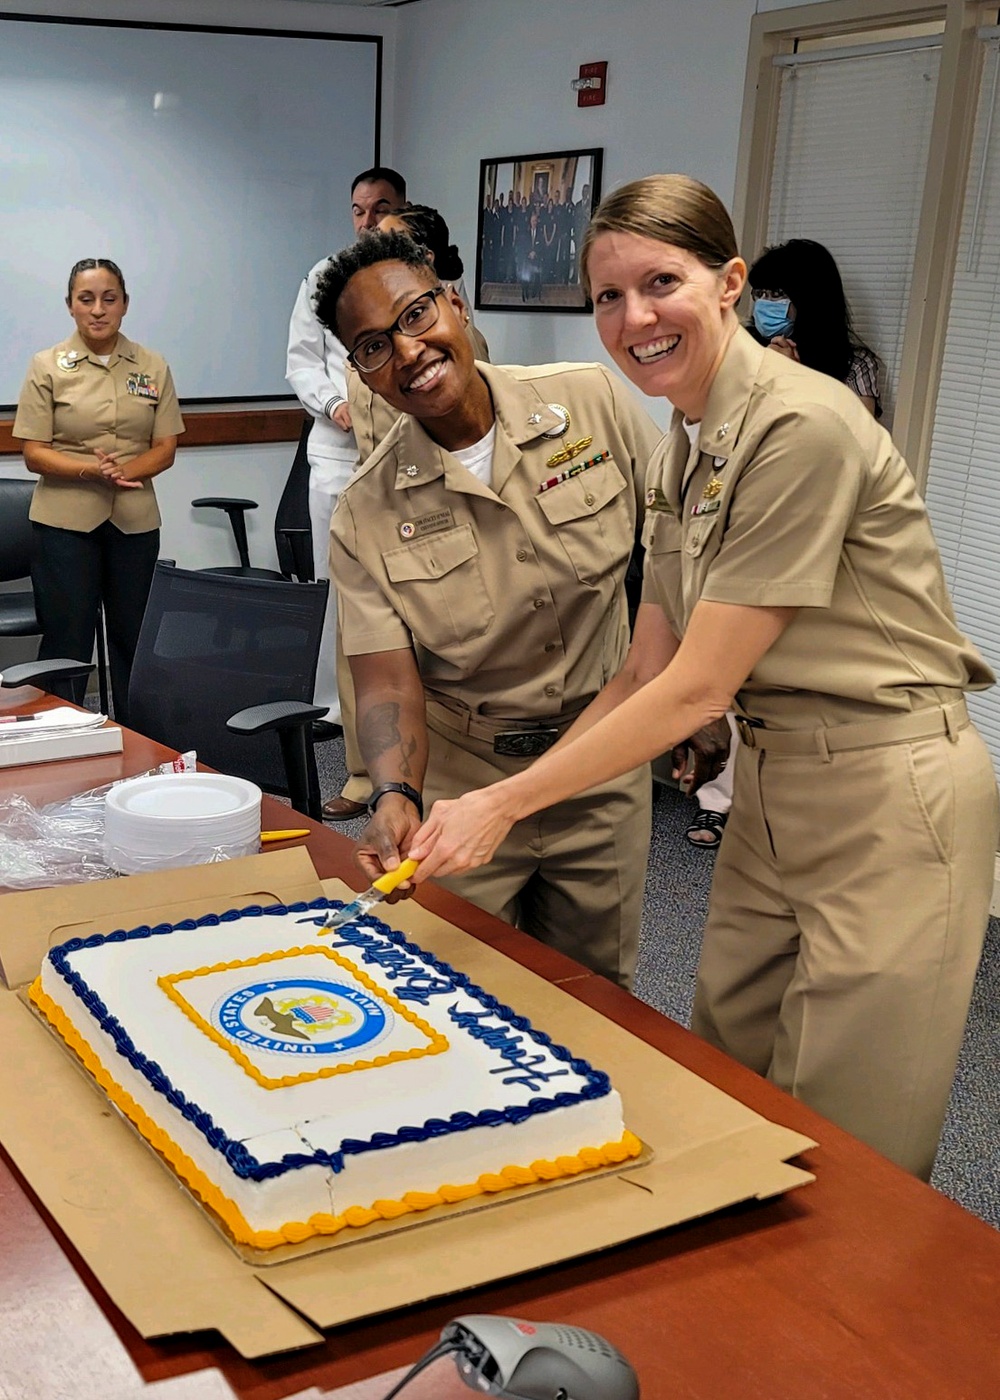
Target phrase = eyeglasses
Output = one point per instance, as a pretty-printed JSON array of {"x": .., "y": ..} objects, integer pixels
[
  {"x": 415, "y": 318},
  {"x": 762, "y": 294}
]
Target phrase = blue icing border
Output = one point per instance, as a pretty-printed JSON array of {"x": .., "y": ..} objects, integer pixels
[{"x": 242, "y": 1162}]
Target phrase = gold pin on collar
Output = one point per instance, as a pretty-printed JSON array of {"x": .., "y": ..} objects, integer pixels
[{"x": 571, "y": 450}]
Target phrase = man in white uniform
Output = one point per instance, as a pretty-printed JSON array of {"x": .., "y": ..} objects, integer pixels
[{"x": 315, "y": 370}]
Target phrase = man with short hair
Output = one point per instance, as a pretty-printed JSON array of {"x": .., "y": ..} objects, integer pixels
[
  {"x": 315, "y": 370},
  {"x": 375, "y": 193}
]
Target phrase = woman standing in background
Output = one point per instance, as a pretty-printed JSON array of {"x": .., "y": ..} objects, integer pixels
[
  {"x": 800, "y": 310},
  {"x": 99, "y": 418}
]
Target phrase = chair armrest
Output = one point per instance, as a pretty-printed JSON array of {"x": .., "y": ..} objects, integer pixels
[
  {"x": 60, "y": 668},
  {"x": 226, "y": 502},
  {"x": 280, "y": 714}
]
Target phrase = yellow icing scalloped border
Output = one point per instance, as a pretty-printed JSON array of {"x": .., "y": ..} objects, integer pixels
[
  {"x": 436, "y": 1042},
  {"x": 293, "y": 1232}
]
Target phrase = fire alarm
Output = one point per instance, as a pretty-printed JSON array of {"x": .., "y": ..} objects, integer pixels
[{"x": 591, "y": 85}]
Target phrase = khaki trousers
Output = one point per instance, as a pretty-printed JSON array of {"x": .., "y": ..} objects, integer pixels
[
  {"x": 572, "y": 876},
  {"x": 844, "y": 929},
  {"x": 358, "y": 787}
]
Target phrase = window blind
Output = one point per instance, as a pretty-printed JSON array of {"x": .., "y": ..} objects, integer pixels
[
  {"x": 850, "y": 155},
  {"x": 963, "y": 488}
]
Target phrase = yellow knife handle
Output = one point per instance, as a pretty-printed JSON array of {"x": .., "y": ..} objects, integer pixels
[{"x": 385, "y": 884}]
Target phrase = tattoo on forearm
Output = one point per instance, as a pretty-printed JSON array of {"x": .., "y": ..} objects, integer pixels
[
  {"x": 379, "y": 733},
  {"x": 379, "y": 730}
]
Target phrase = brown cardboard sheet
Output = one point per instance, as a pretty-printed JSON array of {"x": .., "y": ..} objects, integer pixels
[{"x": 162, "y": 1260}]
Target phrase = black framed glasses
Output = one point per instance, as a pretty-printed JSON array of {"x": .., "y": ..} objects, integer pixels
[
  {"x": 417, "y": 316},
  {"x": 768, "y": 294}
]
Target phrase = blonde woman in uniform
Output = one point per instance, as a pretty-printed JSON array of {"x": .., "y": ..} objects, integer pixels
[
  {"x": 790, "y": 568},
  {"x": 99, "y": 419}
]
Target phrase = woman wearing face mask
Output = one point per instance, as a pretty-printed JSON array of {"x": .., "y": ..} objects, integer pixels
[
  {"x": 800, "y": 310},
  {"x": 790, "y": 573},
  {"x": 99, "y": 419}
]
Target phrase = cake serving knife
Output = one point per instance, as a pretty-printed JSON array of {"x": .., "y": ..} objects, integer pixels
[{"x": 376, "y": 892}]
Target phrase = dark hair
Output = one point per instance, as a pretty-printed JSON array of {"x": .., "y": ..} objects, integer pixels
[
  {"x": 376, "y": 247},
  {"x": 427, "y": 226},
  {"x": 381, "y": 172},
  {"x": 88, "y": 265},
  {"x": 808, "y": 275},
  {"x": 670, "y": 209}
]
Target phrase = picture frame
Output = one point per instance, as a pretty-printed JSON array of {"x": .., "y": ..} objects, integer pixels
[{"x": 529, "y": 260}]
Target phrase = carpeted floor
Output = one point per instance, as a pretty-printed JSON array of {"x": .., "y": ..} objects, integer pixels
[{"x": 968, "y": 1164}]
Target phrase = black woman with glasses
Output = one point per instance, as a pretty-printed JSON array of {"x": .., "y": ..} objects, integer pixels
[
  {"x": 800, "y": 309},
  {"x": 480, "y": 556}
]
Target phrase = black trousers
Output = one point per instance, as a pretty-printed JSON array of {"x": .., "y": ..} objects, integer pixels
[{"x": 72, "y": 575}]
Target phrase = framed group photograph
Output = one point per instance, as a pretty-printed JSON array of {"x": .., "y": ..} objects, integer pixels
[{"x": 533, "y": 211}]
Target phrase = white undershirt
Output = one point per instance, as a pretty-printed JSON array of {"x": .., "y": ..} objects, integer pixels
[
  {"x": 692, "y": 430},
  {"x": 104, "y": 359},
  {"x": 478, "y": 459}
]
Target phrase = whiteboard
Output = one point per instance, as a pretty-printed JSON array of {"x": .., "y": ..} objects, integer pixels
[{"x": 213, "y": 165}]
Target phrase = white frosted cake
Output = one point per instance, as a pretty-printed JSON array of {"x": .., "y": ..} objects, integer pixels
[{"x": 300, "y": 1081}]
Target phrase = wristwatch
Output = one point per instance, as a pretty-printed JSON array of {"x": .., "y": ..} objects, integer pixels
[{"x": 408, "y": 792}]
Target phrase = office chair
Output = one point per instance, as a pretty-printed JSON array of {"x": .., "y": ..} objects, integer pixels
[
  {"x": 236, "y": 508},
  {"x": 17, "y": 609},
  {"x": 292, "y": 530},
  {"x": 226, "y": 665},
  {"x": 292, "y": 533}
]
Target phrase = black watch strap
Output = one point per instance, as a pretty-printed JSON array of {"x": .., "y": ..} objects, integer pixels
[{"x": 410, "y": 793}]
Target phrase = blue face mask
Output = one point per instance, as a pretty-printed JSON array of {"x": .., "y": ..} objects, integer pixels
[{"x": 771, "y": 317}]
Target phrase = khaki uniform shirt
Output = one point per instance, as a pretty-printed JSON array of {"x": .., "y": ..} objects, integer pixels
[
  {"x": 73, "y": 401},
  {"x": 512, "y": 595},
  {"x": 371, "y": 416},
  {"x": 794, "y": 496}
]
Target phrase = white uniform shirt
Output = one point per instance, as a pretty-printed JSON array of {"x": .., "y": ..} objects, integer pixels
[{"x": 315, "y": 370}]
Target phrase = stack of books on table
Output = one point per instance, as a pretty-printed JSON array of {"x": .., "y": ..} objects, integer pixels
[{"x": 55, "y": 734}]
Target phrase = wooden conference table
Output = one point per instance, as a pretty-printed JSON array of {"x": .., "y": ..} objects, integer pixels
[{"x": 866, "y": 1283}]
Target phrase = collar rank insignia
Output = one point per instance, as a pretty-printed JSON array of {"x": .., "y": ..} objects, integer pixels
[{"x": 68, "y": 359}]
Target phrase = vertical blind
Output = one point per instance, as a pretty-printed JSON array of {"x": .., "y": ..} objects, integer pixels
[
  {"x": 963, "y": 489},
  {"x": 850, "y": 154}
]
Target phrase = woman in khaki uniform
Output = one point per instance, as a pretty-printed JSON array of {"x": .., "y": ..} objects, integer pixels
[
  {"x": 480, "y": 556},
  {"x": 371, "y": 418},
  {"x": 99, "y": 418},
  {"x": 790, "y": 567}
]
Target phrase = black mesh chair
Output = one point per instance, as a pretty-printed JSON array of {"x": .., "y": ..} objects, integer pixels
[
  {"x": 236, "y": 508},
  {"x": 226, "y": 665},
  {"x": 292, "y": 532},
  {"x": 17, "y": 609}
]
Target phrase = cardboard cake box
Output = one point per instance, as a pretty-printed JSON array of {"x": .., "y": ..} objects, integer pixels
[{"x": 127, "y": 1215}]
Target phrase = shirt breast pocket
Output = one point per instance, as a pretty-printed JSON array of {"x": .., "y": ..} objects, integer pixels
[
  {"x": 441, "y": 588},
  {"x": 592, "y": 518}
]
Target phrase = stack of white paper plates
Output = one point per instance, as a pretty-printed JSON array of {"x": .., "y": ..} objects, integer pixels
[{"x": 180, "y": 819}]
